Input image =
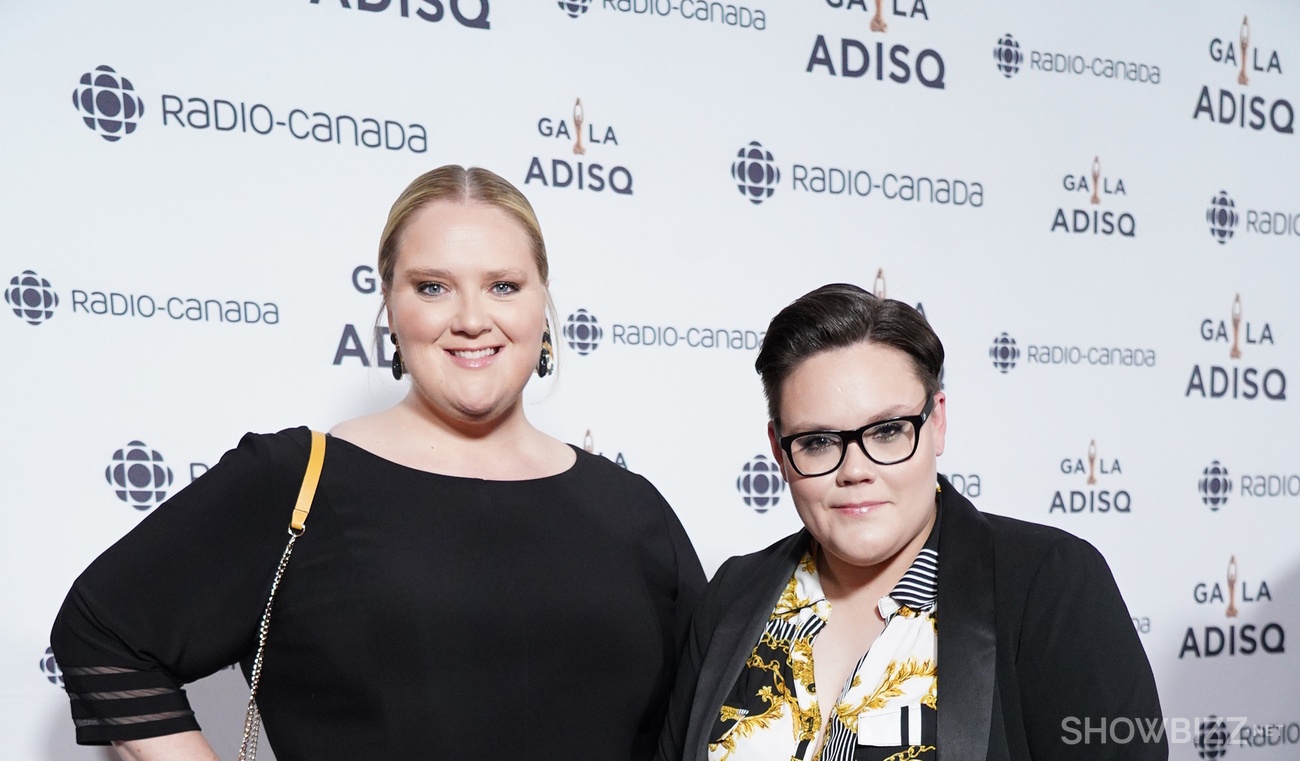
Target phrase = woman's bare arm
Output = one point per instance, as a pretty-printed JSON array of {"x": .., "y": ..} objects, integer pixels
[{"x": 182, "y": 746}]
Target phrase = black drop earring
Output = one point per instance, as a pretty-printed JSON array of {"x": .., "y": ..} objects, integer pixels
[
  {"x": 398, "y": 370},
  {"x": 546, "y": 362}
]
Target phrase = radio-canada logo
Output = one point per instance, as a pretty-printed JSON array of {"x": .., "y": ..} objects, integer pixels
[
  {"x": 574, "y": 8},
  {"x": 108, "y": 103},
  {"x": 760, "y": 484},
  {"x": 1221, "y": 217},
  {"x": 700, "y": 11},
  {"x": 139, "y": 476},
  {"x": 582, "y": 332},
  {"x": 31, "y": 297},
  {"x": 755, "y": 172},
  {"x": 50, "y": 668},
  {"x": 112, "y": 108},
  {"x": 1008, "y": 56},
  {"x": 1004, "y": 353},
  {"x": 1009, "y": 59},
  {"x": 1215, "y": 485},
  {"x": 1211, "y": 738}
]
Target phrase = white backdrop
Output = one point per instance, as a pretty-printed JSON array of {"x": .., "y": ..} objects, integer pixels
[{"x": 1067, "y": 333}]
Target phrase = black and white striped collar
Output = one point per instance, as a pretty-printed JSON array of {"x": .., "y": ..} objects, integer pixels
[{"x": 919, "y": 587}]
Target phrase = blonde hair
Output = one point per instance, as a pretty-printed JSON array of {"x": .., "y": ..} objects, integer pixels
[
  {"x": 457, "y": 184},
  {"x": 460, "y": 185}
]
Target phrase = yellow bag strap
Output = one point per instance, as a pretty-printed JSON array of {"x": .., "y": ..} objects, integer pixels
[
  {"x": 297, "y": 524},
  {"x": 310, "y": 479}
]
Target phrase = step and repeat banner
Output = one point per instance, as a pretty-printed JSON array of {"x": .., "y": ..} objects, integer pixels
[{"x": 1096, "y": 206}]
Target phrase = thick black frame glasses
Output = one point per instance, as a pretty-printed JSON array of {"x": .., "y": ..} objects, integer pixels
[{"x": 848, "y": 437}]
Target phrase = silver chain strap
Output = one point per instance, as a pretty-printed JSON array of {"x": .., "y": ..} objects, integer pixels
[{"x": 252, "y": 717}]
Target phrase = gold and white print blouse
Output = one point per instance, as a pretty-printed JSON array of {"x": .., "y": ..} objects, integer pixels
[{"x": 886, "y": 712}]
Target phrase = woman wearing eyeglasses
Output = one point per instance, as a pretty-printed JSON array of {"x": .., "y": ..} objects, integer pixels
[{"x": 828, "y": 644}]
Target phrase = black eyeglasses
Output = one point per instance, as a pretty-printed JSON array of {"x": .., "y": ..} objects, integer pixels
[{"x": 887, "y": 442}]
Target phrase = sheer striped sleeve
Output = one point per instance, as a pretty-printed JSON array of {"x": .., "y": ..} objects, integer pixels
[{"x": 180, "y": 596}]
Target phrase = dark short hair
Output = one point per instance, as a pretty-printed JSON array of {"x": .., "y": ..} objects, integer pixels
[{"x": 836, "y": 316}]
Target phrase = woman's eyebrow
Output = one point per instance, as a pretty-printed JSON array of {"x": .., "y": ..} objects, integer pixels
[{"x": 896, "y": 410}]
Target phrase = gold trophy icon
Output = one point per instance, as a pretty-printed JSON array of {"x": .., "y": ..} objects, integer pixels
[
  {"x": 578, "y": 148},
  {"x": 878, "y": 287},
  {"x": 1236, "y": 328},
  {"x": 1096, "y": 180},
  {"x": 588, "y": 443},
  {"x": 1231, "y": 612},
  {"x": 1092, "y": 462},
  {"x": 1242, "y": 79},
  {"x": 878, "y": 22}
]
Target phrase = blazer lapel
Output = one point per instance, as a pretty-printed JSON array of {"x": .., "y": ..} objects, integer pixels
[
  {"x": 740, "y": 625},
  {"x": 967, "y": 634}
]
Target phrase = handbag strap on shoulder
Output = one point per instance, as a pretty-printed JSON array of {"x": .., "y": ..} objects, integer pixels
[
  {"x": 297, "y": 525},
  {"x": 310, "y": 479}
]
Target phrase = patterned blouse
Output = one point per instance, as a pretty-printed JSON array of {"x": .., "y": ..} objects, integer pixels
[{"x": 887, "y": 711}]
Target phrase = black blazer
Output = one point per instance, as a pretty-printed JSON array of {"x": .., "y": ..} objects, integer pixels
[{"x": 1034, "y": 641}]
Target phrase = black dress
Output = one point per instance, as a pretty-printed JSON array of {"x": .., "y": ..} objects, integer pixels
[{"x": 422, "y": 615}]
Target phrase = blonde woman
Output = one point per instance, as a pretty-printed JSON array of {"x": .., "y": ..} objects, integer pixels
[{"x": 469, "y": 587}]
